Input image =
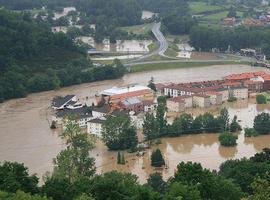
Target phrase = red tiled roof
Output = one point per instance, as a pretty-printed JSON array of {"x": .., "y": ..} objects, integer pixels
[
  {"x": 243, "y": 76},
  {"x": 213, "y": 93},
  {"x": 201, "y": 95},
  {"x": 131, "y": 94}
]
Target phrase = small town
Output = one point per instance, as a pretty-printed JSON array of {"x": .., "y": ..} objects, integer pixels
[{"x": 135, "y": 100}]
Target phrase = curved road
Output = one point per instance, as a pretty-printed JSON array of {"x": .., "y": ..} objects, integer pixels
[{"x": 163, "y": 44}]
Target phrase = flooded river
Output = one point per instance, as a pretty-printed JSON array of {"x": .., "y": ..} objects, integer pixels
[{"x": 25, "y": 135}]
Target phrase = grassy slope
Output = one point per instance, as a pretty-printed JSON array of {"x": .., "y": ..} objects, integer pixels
[
  {"x": 199, "y": 7},
  {"x": 161, "y": 66},
  {"x": 138, "y": 29}
]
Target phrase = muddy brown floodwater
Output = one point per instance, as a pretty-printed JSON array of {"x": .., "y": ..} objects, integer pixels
[{"x": 25, "y": 135}]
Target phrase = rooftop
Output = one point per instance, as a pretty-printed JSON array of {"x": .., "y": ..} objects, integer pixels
[
  {"x": 131, "y": 101},
  {"x": 60, "y": 101},
  {"x": 131, "y": 94},
  {"x": 103, "y": 109},
  {"x": 123, "y": 90},
  {"x": 82, "y": 112}
]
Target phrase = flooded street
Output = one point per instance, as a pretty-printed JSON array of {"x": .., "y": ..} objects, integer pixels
[{"x": 26, "y": 137}]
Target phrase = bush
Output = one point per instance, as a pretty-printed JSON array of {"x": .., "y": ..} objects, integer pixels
[
  {"x": 250, "y": 132},
  {"x": 227, "y": 139},
  {"x": 232, "y": 99},
  {"x": 157, "y": 159},
  {"x": 262, "y": 123},
  {"x": 261, "y": 99}
]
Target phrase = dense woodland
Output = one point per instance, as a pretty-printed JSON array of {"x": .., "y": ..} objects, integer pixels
[
  {"x": 206, "y": 38},
  {"x": 34, "y": 59}
]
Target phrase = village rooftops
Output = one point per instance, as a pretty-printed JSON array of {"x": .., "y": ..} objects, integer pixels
[
  {"x": 130, "y": 94},
  {"x": 60, "y": 102},
  {"x": 177, "y": 99},
  {"x": 201, "y": 95},
  {"x": 82, "y": 112},
  {"x": 102, "y": 109},
  {"x": 213, "y": 93},
  {"x": 131, "y": 101},
  {"x": 245, "y": 76},
  {"x": 97, "y": 121},
  {"x": 124, "y": 90}
]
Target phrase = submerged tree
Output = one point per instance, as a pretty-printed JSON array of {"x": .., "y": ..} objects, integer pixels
[
  {"x": 157, "y": 159},
  {"x": 74, "y": 162}
]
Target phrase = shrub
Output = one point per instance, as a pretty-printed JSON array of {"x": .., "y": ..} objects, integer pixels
[
  {"x": 250, "y": 132},
  {"x": 227, "y": 139},
  {"x": 157, "y": 159},
  {"x": 232, "y": 99},
  {"x": 262, "y": 123},
  {"x": 261, "y": 99}
]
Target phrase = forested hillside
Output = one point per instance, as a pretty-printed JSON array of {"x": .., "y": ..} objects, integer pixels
[{"x": 33, "y": 59}]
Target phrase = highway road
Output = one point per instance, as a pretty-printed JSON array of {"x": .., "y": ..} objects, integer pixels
[{"x": 163, "y": 44}]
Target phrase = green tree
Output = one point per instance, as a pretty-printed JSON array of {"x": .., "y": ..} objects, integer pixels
[
  {"x": 156, "y": 182},
  {"x": 74, "y": 161},
  {"x": 157, "y": 159},
  {"x": 250, "y": 132},
  {"x": 114, "y": 185},
  {"x": 118, "y": 133},
  {"x": 235, "y": 126},
  {"x": 227, "y": 139},
  {"x": 15, "y": 176},
  {"x": 180, "y": 190},
  {"x": 150, "y": 127},
  {"x": 19, "y": 195},
  {"x": 118, "y": 157},
  {"x": 262, "y": 123},
  {"x": 261, "y": 99},
  {"x": 160, "y": 115},
  {"x": 224, "y": 119},
  {"x": 84, "y": 197},
  {"x": 261, "y": 189}
]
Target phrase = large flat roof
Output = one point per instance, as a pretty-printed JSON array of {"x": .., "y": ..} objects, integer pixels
[{"x": 124, "y": 89}]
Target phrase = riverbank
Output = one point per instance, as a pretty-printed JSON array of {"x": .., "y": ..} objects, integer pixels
[{"x": 175, "y": 64}]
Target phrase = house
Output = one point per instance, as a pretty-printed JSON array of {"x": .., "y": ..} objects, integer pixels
[
  {"x": 253, "y": 86},
  {"x": 239, "y": 92},
  {"x": 215, "y": 97},
  {"x": 133, "y": 104},
  {"x": 225, "y": 94},
  {"x": 175, "y": 104},
  {"x": 175, "y": 90},
  {"x": 83, "y": 115},
  {"x": 149, "y": 105},
  {"x": 94, "y": 127},
  {"x": 201, "y": 100},
  {"x": 101, "y": 111},
  {"x": 59, "y": 103},
  {"x": 229, "y": 21},
  {"x": 160, "y": 89}
]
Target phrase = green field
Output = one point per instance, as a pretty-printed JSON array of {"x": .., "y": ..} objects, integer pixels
[
  {"x": 139, "y": 29},
  {"x": 200, "y": 7},
  {"x": 216, "y": 17},
  {"x": 161, "y": 66}
]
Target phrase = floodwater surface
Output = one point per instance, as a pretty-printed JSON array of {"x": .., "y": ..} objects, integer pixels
[{"x": 25, "y": 135}]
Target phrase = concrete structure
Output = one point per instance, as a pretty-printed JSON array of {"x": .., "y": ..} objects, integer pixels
[
  {"x": 202, "y": 101},
  {"x": 239, "y": 92},
  {"x": 94, "y": 127},
  {"x": 215, "y": 97},
  {"x": 149, "y": 105},
  {"x": 132, "y": 104},
  {"x": 225, "y": 94},
  {"x": 176, "y": 104},
  {"x": 99, "y": 112},
  {"x": 83, "y": 115}
]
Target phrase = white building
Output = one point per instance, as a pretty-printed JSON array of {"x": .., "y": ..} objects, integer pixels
[
  {"x": 240, "y": 92},
  {"x": 94, "y": 127}
]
